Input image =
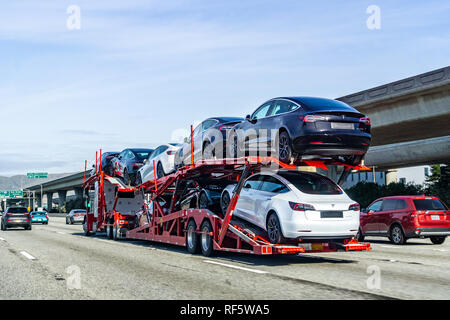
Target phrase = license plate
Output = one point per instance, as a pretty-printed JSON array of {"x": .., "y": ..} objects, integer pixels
[
  {"x": 435, "y": 217},
  {"x": 342, "y": 126},
  {"x": 331, "y": 214}
]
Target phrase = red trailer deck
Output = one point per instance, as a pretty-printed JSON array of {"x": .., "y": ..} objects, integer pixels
[{"x": 200, "y": 230}]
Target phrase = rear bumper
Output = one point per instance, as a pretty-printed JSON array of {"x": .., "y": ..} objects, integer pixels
[
  {"x": 12, "y": 223},
  {"x": 430, "y": 232},
  {"x": 329, "y": 144}
]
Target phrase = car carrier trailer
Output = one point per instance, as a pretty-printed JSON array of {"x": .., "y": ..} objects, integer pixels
[{"x": 122, "y": 212}]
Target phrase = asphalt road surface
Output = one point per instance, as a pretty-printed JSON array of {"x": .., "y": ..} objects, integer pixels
[{"x": 56, "y": 261}]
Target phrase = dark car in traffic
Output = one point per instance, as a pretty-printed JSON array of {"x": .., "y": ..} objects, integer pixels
[
  {"x": 304, "y": 127},
  {"x": 106, "y": 162},
  {"x": 402, "y": 217},
  {"x": 209, "y": 140},
  {"x": 128, "y": 162},
  {"x": 16, "y": 217}
]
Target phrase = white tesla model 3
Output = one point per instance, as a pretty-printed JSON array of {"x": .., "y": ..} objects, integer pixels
[
  {"x": 295, "y": 205},
  {"x": 164, "y": 157}
]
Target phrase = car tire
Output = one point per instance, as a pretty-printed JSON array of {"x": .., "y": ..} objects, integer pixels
[
  {"x": 109, "y": 232},
  {"x": 203, "y": 201},
  {"x": 206, "y": 240},
  {"x": 160, "y": 171},
  {"x": 71, "y": 220},
  {"x": 192, "y": 238},
  {"x": 397, "y": 236},
  {"x": 27, "y": 227},
  {"x": 126, "y": 178},
  {"x": 438, "y": 240},
  {"x": 274, "y": 229},
  {"x": 284, "y": 147},
  {"x": 225, "y": 202},
  {"x": 360, "y": 235},
  {"x": 205, "y": 153},
  {"x": 3, "y": 227},
  {"x": 138, "y": 179},
  {"x": 232, "y": 145},
  {"x": 67, "y": 221}
]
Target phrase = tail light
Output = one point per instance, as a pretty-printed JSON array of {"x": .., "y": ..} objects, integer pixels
[
  {"x": 170, "y": 152},
  {"x": 354, "y": 207},
  {"x": 313, "y": 118},
  {"x": 226, "y": 127},
  {"x": 365, "y": 120},
  {"x": 301, "y": 206},
  {"x": 137, "y": 165}
]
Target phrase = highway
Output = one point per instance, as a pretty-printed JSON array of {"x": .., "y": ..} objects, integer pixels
[{"x": 40, "y": 264}]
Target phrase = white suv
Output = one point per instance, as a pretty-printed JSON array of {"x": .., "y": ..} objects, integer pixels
[{"x": 296, "y": 205}]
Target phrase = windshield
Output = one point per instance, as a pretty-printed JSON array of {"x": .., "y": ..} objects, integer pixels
[
  {"x": 311, "y": 183},
  {"x": 17, "y": 210},
  {"x": 38, "y": 213},
  {"x": 428, "y": 204},
  {"x": 320, "y": 104},
  {"x": 142, "y": 155}
]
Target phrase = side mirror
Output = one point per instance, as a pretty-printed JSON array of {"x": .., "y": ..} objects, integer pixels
[
  {"x": 145, "y": 161},
  {"x": 248, "y": 118}
]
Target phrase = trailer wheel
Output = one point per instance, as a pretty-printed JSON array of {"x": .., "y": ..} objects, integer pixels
[
  {"x": 206, "y": 238},
  {"x": 360, "y": 235},
  {"x": 115, "y": 233},
  {"x": 109, "y": 232},
  {"x": 437, "y": 240},
  {"x": 192, "y": 238},
  {"x": 85, "y": 228}
]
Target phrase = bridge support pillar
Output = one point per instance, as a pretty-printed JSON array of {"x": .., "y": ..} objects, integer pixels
[
  {"x": 49, "y": 201},
  {"x": 391, "y": 176},
  {"x": 39, "y": 200},
  {"x": 62, "y": 198},
  {"x": 78, "y": 193}
]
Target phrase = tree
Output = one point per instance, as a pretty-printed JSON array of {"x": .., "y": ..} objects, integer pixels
[{"x": 438, "y": 183}]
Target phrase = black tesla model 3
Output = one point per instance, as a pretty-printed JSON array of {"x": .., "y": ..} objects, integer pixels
[{"x": 297, "y": 128}]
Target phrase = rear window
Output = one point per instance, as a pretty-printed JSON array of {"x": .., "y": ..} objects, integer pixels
[
  {"x": 17, "y": 210},
  {"x": 142, "y": 155},
  {"x": 79, "y": 211},
  {"x": 429, "y": 204},
  {"x": 311, "y": 183},
  {"x": 321, "y": 104}
]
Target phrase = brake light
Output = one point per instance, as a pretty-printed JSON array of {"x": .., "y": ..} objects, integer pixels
[
  {"x": 300, "y": 206},
  {"x": 170, "y": 152},
  {"x": 354, "y": 207},
  {"x": 137, "y": 165},
  {"x": 226, "y": 127},
  {"x": 313, "y": 118},
  {"x": 365, "y": 120}
]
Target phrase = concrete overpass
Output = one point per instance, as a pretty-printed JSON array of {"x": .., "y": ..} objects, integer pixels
[
  {"x": 59, "y": 186},
  {"x": 410, "y": 120}
]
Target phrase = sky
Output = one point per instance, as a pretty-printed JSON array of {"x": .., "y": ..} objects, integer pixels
[{"x": 139, "y": 73}]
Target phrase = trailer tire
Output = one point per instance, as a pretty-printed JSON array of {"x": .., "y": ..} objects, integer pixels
[
  {"x": 360, "y": 235},
  {"x": 437, "y": 240},
  {"x": 109, "y": 232},
  {"x": 115, "y": 233},
  {"x": 192, "y": 238},
  {"x": 206, "y": 239},
  {"x": 85, "y": 229}
]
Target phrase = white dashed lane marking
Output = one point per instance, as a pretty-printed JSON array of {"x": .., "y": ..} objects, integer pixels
[
  {"x": 27, "y": 255},
  {"x": 1, "y": 239},
  {"x": 235, "y": 267}
]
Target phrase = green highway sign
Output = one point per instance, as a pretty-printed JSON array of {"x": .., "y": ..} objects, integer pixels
[
  {"x": 37, "y": 175},
  {"x": 11, "y": 194}
]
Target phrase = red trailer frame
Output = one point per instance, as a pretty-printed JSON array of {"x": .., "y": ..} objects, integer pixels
[{"x": 207, "y": 230}]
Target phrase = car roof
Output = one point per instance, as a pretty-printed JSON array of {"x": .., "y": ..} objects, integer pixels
[
  {"x": 409, "y": 197},
  {"x": 140, "y": 149},
  {"x": 313, "y": 103},
  {"x": 225, "y": 119}
]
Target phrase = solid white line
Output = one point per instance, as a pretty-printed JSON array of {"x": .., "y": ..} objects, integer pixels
[
  {"x": 1, "y": 239},
  {"x": 60, "y": 232},
  {"x": 235, "y": 267},
  {"x": 27, "y": 255}
]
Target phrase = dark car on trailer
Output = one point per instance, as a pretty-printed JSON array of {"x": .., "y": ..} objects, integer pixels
[
  {"x": 128, "y": 162},
  {"x": 209, "y": 140},
  {"x": 305, "y": 128},
  {"x": 16, "y": 217},
  {"x": 106, "y": 162}
]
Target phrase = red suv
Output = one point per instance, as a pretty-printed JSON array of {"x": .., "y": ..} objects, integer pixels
[{"x": 403, "y": 217}]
